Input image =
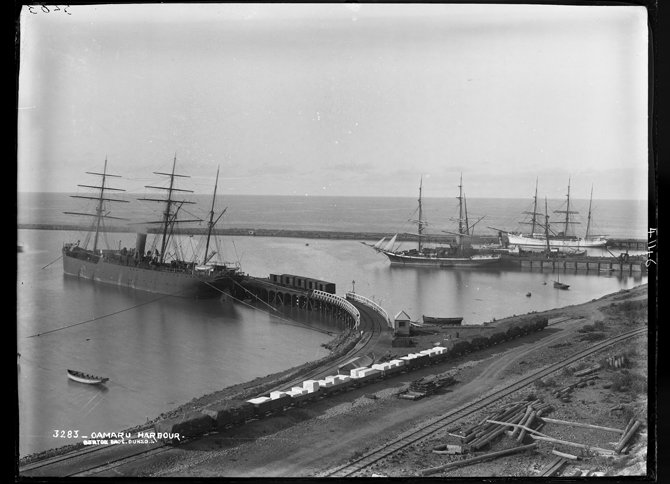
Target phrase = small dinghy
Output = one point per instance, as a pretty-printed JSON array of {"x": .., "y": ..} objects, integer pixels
[{"x": 81, "y": 377}]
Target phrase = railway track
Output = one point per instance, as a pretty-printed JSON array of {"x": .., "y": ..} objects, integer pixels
[
  {"x": 373, "y": 327},
  {"x": 352, "y": 468},
  {"x": 102, "y": 458}
]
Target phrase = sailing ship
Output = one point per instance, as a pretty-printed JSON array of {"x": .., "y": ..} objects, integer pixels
[
  {"x": 82, "y": 377},
  {"x": 148, "y": 270},
  {"x": 561, "y": 240},
  {"x": 458, "y": 255}
]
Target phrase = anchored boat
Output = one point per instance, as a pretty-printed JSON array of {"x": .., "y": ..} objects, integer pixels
[
  {"x": 151, "y": 270},
  {"x": 438, "y": 320},
  {"x": 560, "y": 240},
  {"x": 460, "y": 255},
  {"x": 82, "y": 377}
]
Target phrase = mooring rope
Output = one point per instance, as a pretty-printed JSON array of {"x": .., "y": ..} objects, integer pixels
[
  {"x": 57, "y": 259},
  {"x": 104, "y": 316},
  {"x": 290, "y": 322}
]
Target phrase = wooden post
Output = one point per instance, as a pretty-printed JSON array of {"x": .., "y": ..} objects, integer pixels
[
  {"x": 579, "y": 424},
  {"x": 481, "y": 458},
  {"x": 574, "y": 444},
  {"x": 627, "y": 437}
]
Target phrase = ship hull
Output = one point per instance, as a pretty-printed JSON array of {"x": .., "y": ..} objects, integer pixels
[
  {"x": 175, "y": 283},
  {"x": 422, "y": 261},
  {"x": 524, "y": 241}
]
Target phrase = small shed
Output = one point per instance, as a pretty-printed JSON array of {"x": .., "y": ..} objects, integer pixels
[{"x": 401, "y": 324}]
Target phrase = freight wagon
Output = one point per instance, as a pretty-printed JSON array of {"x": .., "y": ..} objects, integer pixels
[{"x": 227, "y": 414}]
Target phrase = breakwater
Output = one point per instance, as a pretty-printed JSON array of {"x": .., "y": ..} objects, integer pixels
[{"x": 635, "y": 244}]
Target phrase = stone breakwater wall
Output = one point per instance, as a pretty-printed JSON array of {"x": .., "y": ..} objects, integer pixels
[{"x": 635, "y": 244}]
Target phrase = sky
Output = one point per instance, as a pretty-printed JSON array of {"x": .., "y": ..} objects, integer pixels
[{"x": 338, "y": 99}]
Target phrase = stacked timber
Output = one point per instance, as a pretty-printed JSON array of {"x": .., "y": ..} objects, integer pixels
[
  {"x": 426, "y": 386},
  {"x": 616, "y": 361},
  {"x": 587, "y": 371},
  {"x": 493, "y": 426}
]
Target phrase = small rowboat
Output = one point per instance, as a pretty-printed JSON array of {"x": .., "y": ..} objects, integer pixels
[
  {"x": 85, "y": 377},
  {"x": 437, "y": 320}
]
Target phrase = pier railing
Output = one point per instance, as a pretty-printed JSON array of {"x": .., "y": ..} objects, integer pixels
[
  {"x": 340, "y": 302},
  {"x": 372, "y": 305}
]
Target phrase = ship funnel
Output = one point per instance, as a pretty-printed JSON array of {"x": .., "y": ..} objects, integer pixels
[{"x": 140, "y": 243}]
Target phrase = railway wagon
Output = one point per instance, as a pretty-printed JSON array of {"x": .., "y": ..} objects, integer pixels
[
  {"x": 191, "y": 424},
  {"x": 227, "y": 414},
  {"x": 230, "y": 413},
  {"x": 301, "y": 282}
]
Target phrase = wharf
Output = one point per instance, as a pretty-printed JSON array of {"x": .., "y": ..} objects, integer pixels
[{"x": 634, "y": 265}]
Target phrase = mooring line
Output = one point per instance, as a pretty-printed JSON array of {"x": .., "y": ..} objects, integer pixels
[
  {"x": 59, "y": 257},
  {"x": 104, "y": 316},
  {"x": 290, "y": 322}
]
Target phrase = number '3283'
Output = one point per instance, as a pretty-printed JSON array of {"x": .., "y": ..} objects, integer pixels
[{"x": 35, "y": 9}]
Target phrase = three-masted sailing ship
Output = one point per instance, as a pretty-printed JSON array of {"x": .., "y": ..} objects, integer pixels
[
  {"x": 460, "y": 254},
  {"x": 152, "y": 270},
  {"x": 559, "y": 240}
]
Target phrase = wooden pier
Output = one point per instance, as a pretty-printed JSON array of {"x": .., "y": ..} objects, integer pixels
[
  {"x": 594, "y": 265},
  {"x": 326, "y": 304}
]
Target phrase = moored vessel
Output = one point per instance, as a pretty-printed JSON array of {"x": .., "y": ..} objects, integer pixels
[
  {"x": 462, "y": 254},
  {"x": 152, "y": 270},
  {"x": 561, "y": 240},
  {"x": 82, "y": 377}
]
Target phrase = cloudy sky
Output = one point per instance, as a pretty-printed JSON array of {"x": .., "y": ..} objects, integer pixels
[{"x": 300, "y": 99}]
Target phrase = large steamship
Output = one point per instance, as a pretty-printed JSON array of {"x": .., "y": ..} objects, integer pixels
[{"x": 154, "y": 270}]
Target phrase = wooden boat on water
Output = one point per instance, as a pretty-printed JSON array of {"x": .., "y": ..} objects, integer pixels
[
  {"x": 437, "y": 320},
  {"x": 81, "y": 377},
  {"x": 560, "y": 285}
]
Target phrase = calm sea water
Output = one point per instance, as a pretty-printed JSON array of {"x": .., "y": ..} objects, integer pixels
[
  {"x": 616, "y": 218},
  {"x": 161, "y": 353}
]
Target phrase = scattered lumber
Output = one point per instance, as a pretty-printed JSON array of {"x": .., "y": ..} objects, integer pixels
[
  {"x": 627, "y": 436},
  {"x": 597, "y": 450},
  {"x": 492, "y": 426},
  {"x": 579, "y": 424},
  {"x": 474, "y": 460},
  {"x": 564, "y": 455},
  {"x": 561, "y": 392},
  {"x": 448, "y": 449},
  {"x": 553, "y": 467},
  {"x": 587, "y": 371}
]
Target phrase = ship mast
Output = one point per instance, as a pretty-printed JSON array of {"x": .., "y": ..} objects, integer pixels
[
  {"x": 588, "y": 221},
  {"x": 460, "y": 213},
  {"x": 534, "y": 213},
  {"x": 100, "y": 208},
  {"x": 212, "y": 222},
  {"x": 546, "y": 226},
  {"x": 420, "y": 222},
  {"x": 567, "y": 212},
  {"x": 465, "y": 209},
  {"x": 169, "y": 217}
]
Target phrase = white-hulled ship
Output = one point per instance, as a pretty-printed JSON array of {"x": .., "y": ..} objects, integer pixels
[
  {"x": 560, "y": 240},
  {"x": 153, "y": 270},
  {"x": 459, "y": 255}
]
